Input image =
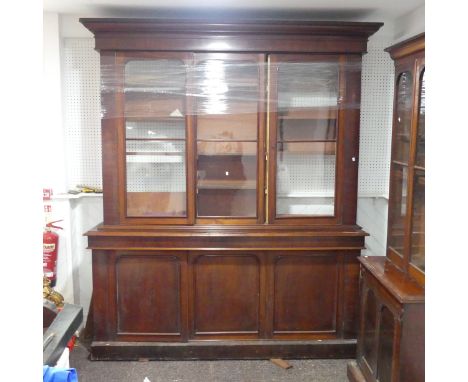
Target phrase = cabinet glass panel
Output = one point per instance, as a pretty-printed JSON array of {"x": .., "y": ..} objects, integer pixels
[
  {"x": 417, "y": 251},
  {"x": 397, "y": 207},
  {"x": 404, "y": 102},
  {"x": 155, "y": 137},
  {"x": 418, "y": 221},
  {"x": 421, "y": 136},
  {"x": 227, "y": 123},
  {"x": 306, "y": 138}
]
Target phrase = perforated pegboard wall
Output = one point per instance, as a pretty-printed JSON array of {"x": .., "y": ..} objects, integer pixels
[
  {"x": 82, "y": 112},
  {"x": 82, "y": 115},
  {"x": 376, "y": 120}
]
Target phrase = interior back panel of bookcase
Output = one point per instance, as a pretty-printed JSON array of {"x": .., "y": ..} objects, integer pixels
[{"x": 82, "y": 114}]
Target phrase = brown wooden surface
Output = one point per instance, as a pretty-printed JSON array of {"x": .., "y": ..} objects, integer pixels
[
  {"x": 158, "y": 310},
  {"x": 301, "y": 275},
  {"x": 402, "y": 288},
  {"x": 215, "y": 350},
  {"x": 184, "y": 281},
  {"x": 226, "y": 295},
  {"x": 225, "y": 35},
  {"x": 391, "y": 335}
]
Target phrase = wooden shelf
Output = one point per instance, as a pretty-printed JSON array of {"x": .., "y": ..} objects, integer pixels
[
  {"x": 156, "y": 139},
  {"x": 308, "y": 147},
  {"x": 156, "y": 118},
  {"x": 227, "y": 148},
  {"x": 310, "y": 113},
  {"x": 227, "y": 184}
]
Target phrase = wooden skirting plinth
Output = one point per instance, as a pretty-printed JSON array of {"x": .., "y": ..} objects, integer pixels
[{"x": 207, "y": 350}]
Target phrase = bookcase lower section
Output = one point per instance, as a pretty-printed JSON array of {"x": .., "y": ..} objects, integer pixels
[{"x": 296, "y": 297}]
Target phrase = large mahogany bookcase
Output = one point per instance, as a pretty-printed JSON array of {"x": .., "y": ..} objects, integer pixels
[
  {"x": 391, "y": 338},
  {"x": 230, "y": 164}
]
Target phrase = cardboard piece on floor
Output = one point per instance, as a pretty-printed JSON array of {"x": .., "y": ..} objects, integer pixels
[{"x": 281, "y": 363}]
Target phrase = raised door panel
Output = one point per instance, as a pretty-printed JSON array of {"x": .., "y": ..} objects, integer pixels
[
  {"x": 386, "y": 346},
  {"x": 226, "y": 295},
  {"x": 305, "y": 295},
  {"x": 149, "y": 295},
  {"x": 367, "y": 354}
]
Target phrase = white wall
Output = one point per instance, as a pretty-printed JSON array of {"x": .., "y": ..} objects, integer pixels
[
  {"x": 410, "y": 24},
  {"x": 54, "y": 155}
]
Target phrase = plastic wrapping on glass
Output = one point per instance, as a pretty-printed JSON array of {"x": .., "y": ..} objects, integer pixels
[
  {"x": 158, "y": 87},
  {"x": 306, "y": 138},
  {"x": 224, "y": 96}
]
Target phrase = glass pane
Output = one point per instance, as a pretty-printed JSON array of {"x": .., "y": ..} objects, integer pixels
[
  {"x": 397, "y": 207},
  {"x": 306, "y": 138},
  {"x": 417, "y": 231},
  {"x": 386, "y": 334},
  {"x": 421, "y": 138},
  {"x": 404, "y": 102},
  {"x": 370, "y": 327},
  {"x": 227, "y": 103},
  {"x": 155, "y": 138}
]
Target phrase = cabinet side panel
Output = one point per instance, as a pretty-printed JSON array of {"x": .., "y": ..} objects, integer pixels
[
  {"x": 351, "y": 295},
  {"x": 305, "y": 294},
  {"x": 110, "y": 143},
  {"x": 148, "y": 294},
  {"x": 103, "y": 296}
]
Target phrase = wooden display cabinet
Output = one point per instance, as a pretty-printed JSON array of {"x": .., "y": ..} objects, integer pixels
[
  {"x": 230, "y": 159},
  {"x": 391, "y": 337}
]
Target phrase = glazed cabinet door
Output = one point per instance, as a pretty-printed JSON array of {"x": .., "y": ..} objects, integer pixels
[
  {"x": 417, "y": 233},
  {"x": 229, "y": 105},
  {"x": 310, "y": 118},
  {"x": 156, "y": 136},
  {"x": 400, "y": 160}
]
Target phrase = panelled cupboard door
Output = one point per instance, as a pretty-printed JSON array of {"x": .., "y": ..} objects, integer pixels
[
  {"x": 150, "y": 296},
  {"x": 305, "y": 295},
  {"x": 226, "y": 294}
]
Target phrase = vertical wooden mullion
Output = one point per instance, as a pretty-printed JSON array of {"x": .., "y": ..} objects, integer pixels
[
  {"x": 272, "y": 127},
  {"x": 261, "y": 140},
  {"x": 342, "y": 135},
  {"x": 190, "y": 142}
]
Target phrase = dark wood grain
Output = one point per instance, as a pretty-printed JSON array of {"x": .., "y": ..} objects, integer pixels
[
  {"x": 158, "y": 312},
  {"x": 301, "y": 275},
  {"x": 225, "y": 267},
  {"x": 226, "y": 296}
]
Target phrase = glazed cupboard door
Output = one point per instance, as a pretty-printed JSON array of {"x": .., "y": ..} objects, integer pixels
[
  {"x": 305, "y": 94},
  {"x": 400, "y": 161},
  {"x": 157, "y": 135},
  {"x": 229, "y": 105},
  {"x": 406, "y": 247},
  {"x": 417, "y": 244}
]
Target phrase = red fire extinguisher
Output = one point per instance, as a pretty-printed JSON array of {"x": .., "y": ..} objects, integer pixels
[{"x": 50, "y": 251}]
